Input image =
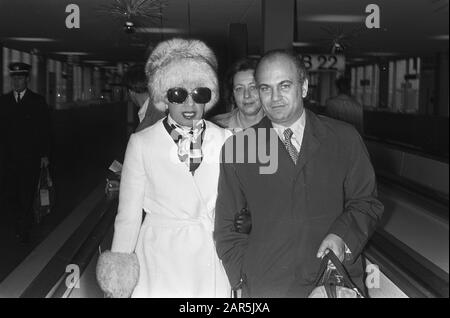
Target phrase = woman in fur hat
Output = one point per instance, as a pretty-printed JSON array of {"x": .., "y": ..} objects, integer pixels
[{"x": 171, "y": 171}]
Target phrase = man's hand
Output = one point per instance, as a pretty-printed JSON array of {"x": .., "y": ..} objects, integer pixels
[
  {"x": 44, "y": 162},
  {"x": 334, "y": 243},
  {"x": 243, "y": 221}
]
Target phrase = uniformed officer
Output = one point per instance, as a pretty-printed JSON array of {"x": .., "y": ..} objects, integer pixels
[{"x": 26, "y": 133}]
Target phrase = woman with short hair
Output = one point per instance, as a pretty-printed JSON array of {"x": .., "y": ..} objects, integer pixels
[{"x": 243, "y": 96}]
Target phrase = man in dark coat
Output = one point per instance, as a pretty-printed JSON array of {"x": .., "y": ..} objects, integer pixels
[
  {"x": 27, "y": 138},
  {"x": 316, "y": 193}
]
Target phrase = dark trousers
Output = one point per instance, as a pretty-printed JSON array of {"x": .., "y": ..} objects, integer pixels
[{"x": 21, "y": 186}]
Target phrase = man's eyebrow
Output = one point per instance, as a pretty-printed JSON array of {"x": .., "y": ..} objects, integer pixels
[{"x": 286, "y": 82}]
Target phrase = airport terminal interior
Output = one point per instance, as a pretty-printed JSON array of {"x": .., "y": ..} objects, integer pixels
[{"x": 394, "y": 53}]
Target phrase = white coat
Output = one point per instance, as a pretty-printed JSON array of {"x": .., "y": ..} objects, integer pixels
[{"x": 174, "y": 244}]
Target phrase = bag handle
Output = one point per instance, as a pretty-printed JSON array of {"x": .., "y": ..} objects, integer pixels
[
  {"x": 340, "y": 269},
  {"x": 323, "y": 267},
  {"x": 40, "y": 179},
  {"x": 330, "y": 256}
]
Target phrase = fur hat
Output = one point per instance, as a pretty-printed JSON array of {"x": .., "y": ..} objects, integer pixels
[
  {"x": 117, "y": 273},
  {"x": 175, "y": 62}
]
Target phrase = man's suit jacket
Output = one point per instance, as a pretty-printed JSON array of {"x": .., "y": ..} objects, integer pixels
[
  {"x": 331, "y": 189},
  {"x": 152, "y": 115},
  {"x": 27, "y": 129}
]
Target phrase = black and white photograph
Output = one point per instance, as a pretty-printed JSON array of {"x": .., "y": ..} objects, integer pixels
[{"x": 224, "y": 156}]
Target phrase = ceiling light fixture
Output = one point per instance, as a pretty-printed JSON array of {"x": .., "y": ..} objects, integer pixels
[
  {"x": 301, "y": 44},
  {"x": 96, "y": 61},
  {"x": 381, "y": 53},
  {"x": 134, "y": 12},
  {"x": 71, "y": 53},
  {"x": 333, "y": 18},
  {"x": 160, "y": 30},
  {"x": 25, "y": 39},
  {"x": 356, "y": 59},
  {"x": 129, "y": 27},
  {"x": 443, "y": 37}
]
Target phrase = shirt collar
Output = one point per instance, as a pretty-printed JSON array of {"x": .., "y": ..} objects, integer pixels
[
  {"x": 22, "y": 93},
  {"x": 198, "y": 125},
  {"x": 297, "y": 127},
  {"x": 143, "y": 110}
]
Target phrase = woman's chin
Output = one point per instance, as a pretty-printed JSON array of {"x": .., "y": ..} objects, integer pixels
[{"x": 251, "y": 110}]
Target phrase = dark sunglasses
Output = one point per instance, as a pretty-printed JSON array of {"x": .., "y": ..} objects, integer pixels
[{"x": 200, "y": 95}]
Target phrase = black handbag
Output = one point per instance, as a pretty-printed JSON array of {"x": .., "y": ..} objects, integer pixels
[
  {"x": 333, "y": 280},
  {"x": 45, "y": 196}
]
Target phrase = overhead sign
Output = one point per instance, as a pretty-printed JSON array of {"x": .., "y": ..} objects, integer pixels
[{"x": 323, "y": 62}]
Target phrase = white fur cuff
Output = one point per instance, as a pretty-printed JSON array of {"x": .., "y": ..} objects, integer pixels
[{"x": 117, "y": 273}]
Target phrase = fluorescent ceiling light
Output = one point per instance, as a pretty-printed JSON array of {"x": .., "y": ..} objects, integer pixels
[
  {"x": 341, "y": 18},
  {"x": 381, "y": 53},
  {"x": 301, "y": 44},
  {"x": 71, "y": 53},
  {"x": 95, "y": 61},
  {"x": 357, "y": 59},
  {"x": 31, "y": 39},
  {"x": 160, "y": 30},
  {"x": 440, "y": 37}
]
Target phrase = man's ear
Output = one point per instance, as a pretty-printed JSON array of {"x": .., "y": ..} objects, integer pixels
[{"x": 305, "y": 88}]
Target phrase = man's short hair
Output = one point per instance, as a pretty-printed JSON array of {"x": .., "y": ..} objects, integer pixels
[
  {"x": 135, "y": 78},
  {"x": 241, "y": 65},
  {"x": 295, "y": 58}
]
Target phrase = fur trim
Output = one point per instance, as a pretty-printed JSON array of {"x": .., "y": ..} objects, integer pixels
[
  {"x": 117, "y": 273},
  {"x": 174, "y": 63}
]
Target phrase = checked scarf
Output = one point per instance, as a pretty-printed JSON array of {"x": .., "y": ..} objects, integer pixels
[{"x": 189, "y": 141}]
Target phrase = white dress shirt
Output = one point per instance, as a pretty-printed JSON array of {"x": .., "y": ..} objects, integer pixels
[
  {"x": 297, "y": 128},
  {"x": 16, "y": 95}
]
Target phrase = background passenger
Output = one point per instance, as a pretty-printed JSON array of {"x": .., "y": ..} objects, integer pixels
[
  {"x": 136, "y": 82},
  {"x": 27, "y": 144},
  {"x": 243, "y": 95},
  {"x": 345, "y": 107}
]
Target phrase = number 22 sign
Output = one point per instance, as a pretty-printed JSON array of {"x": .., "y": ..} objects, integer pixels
[{"x": 323, "y": 62}]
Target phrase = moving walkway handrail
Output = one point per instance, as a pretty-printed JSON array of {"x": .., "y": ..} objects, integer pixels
[
  {"x": 412, "y": 273},
  {"x": 80, "y": 252},
  {"x": 406, "y": 148},
  {"x": 87, "y": 250},
  {"x": 417, "y": 189}
]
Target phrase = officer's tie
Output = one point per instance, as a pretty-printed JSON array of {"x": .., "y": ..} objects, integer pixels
[{"x": 289, "y": 146}]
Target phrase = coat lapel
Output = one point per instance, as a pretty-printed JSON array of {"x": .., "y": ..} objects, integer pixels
[
  {"x": 12, "y": 99},
  {"x": 286, "y": 166},
  {"x": 311, "y": 140},
  {"x": 197, "y": 187}
]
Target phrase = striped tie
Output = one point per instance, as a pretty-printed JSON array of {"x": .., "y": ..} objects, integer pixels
[{"x": 289, "y": 146}]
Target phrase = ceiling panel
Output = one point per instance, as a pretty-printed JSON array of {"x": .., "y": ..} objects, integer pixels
[{"x": 407, "y": 26}]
